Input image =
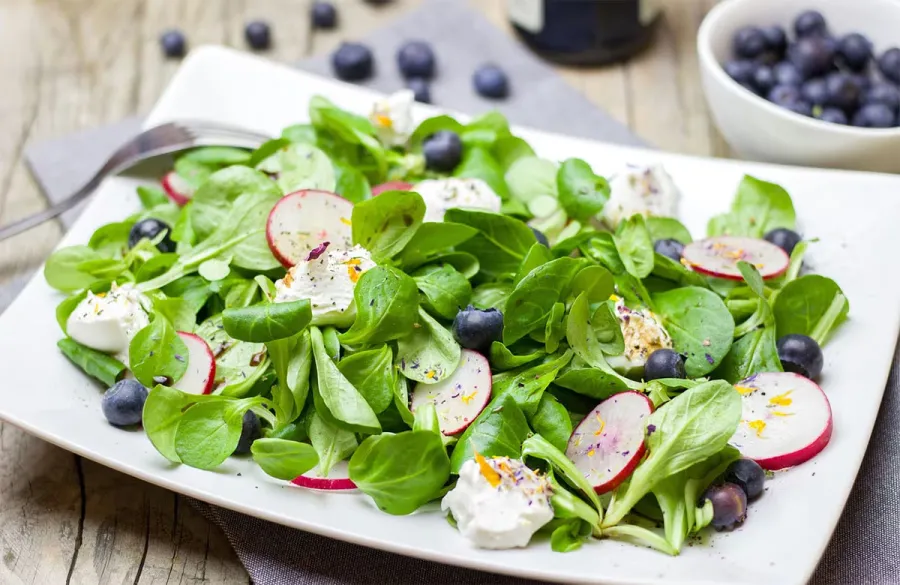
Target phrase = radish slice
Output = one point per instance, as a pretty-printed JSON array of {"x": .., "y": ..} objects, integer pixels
[
  {"x": 201, "y": 369},
  {"x": 785, "y": 420},
  {"x": 719, "y": 257},
  {"x": 178, "y": 190},
  {"x": 338, "y": 479},
  {"x": 391, "y": 186},
  {"x": 609, "y": 443},
  {"x": 302, "y": 220},
  {"x": 460, "y": 397}
]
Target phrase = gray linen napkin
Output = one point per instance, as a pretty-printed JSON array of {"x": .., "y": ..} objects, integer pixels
[{"x": 866, "y": 546}]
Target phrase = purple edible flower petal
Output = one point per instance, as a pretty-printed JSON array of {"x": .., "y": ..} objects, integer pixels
[{"x": 317, "y": 251}]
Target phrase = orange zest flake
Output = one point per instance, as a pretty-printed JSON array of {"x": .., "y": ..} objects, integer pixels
[
  {"x": 353, "y": 270},
  {"x": 744, "y": 390},
  {"x": 345, "y": 221},
  {"x": 467, "y": 398},
  {"x": 758, "y": 426},
  {"x": 487, "y": 472},
  {"x": 384, "y": 121},
  {"x": 602, "y": 426},
  {"x": 781, "y": 399},
  {"x": 288, "y": 278}
]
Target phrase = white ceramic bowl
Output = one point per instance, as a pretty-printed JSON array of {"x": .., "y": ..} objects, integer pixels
[{"x": 759, "y": 130}]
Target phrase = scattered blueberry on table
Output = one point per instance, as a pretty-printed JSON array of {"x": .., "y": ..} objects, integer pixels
[
  {"x": 258, "y": 34},
  {"x": 442, "y": 150},
  {"x": 491, "y": 82},
  {"x": 420, "y": 88},
  {"x": 173, "y": 43},
  {"x": 352, "y": 62},
  {"x": 123, "y": 403},
  {"x": 840, "y": 80},
  {"x": 150, "y": 228},
  {"x": 416, "y": 59},
  {"x": 324, "y": 15}
]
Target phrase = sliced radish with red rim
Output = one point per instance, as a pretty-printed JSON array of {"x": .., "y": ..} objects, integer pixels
[
  {"x": 459, "y": 398},
  {"x": 785, "y": 420},
  {"x": 719, "y": 256},
  {"x": 609, "y": 443},
  {"x": 201, "y": 366},
  {"x": 338, "y": 479},
  {"x": 178, "y": 189},
  {"x": 304, "y": 219},
  {"x": 391, "y": 186}
]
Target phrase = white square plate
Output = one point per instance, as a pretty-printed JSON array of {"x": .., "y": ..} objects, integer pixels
[{"x": 852, "y": 214}]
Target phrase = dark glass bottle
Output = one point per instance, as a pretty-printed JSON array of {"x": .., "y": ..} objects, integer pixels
[{"x": 585, "y": 32}]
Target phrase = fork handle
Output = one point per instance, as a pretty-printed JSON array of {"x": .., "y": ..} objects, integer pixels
[{"x": 26, "y": 223}]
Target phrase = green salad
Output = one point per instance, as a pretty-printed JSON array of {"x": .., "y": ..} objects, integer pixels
[{"x": 440, "y": 315}]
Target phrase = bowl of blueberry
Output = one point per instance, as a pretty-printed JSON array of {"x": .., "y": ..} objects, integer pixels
[{"x": 806, "y": 82}]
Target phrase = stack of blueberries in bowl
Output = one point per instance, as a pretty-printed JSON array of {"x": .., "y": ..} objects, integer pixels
[{"x": 811, "y": 72}]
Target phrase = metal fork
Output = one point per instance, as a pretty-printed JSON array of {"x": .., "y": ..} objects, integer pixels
[{"x": 156, "y": 141}]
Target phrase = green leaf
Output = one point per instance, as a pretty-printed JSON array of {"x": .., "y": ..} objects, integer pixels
[
  {"x": 509, "y": 149},
  {"x": 151, "y": 196},
  {"x": 668, "y": 228},
  {"x": 602, "y": 249},
  {"x": 112, "y": 238},
  {"x": 635, "y": 246},
  {"x": 498, "y": 431},
  {"x": 333, "y": 444},
  {"x": 581, "y": 193},
  {"x": 596, "y": 281},
  {"x": 569, "y": 536},
  {"x": 162, "y": 413},
  {"x": 249, "y": 214},
  {"x": 503, "y": 358},
  {"x": 700, "y": 324},
  {"x": 426, "y": 419},
  {"x": 477, "y": 163},
  {"x": 178, "y": 311},
  {"x": 386, "y": 301},
  {"x": 62, "y": 270},
  {"x": 94, "y": 363},
  {"x": 491, "y": 295},
  {"x": 526, "y": 384},
  {"x": 336, "y": 398},
  {"x": 157, "y": 350},
  {"x": 209, "y": 432},
  {"x": 532, "y": 300},
  {"x": 292, "y": 359},
  {"x": 501, "y": 243},
  {"x": 555, "y": 330},
  {"x": 267, "y": 149},
  {"x": 385, "y": 224},
  {"x": 530, "y": 177},
  {"x": 537, "y": 255},
  {"x": 429, "y": 354},
  {"x": 587, "y": 336},
  {"x": 299, "y": 133},
  {"x": 267, "y": 321},
  {"x": 802, "y": 303},
  {"x": 371, "y": 373},
  {"x": 212, "y": 203},
  {"x": 539, "y": 447},
  {"x": 446, "y": 291},
  {"x": 283, "y": 459},
  {"x": 351, "y": 184},
  {"x": 758, "y": 208},
  {"x": 430, "y": 239},
  {"x": 552, "y": 422},
  {"x": 431, "y": 125},
  {"x": 750, "y": 354},
  {"x": 300, "y": 166},
  {"x": 217, "y": 155},
  {"x": 593, "y": 382},
  {"x": 401, "y": 472}
]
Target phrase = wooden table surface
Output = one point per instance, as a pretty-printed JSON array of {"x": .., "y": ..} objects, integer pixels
[{"x": 74, "y": 64}]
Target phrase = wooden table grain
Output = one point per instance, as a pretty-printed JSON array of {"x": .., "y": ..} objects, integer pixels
[{"x": 73, "y": 64}]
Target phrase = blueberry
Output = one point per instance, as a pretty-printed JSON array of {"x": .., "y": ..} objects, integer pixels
[
  {"x": 477, "y": 329},
  {"x": 173, "y": 43},
  {"x": 749, "y": 42},
  {"x": 800, "y": 354},
  {"x": 741, "y": 71},
  {"x": 784, "y": 238},
  {"x": 875, "y": 116},
  {"x": 729, "y": 504},
  {"x": 841, "y": 91},
  {"x": 786, "y": 73},
  {"x": 442, "y": 150},
  {"x": 776, "y": 40},
  {"x": 862, "y": 80},
  {"x": 669, "y": 248},
  {"x": 324, "y": 15},
  {"x": 664, "y": 363},
  {"x": 250, "y": 431},
  {"x": 416, "y": 59},
  {"x": 889, "y": 64},
  {"x": 854, "y": 51},
  {"x": 810, "y": 23},
  {"x": 150, "y": 228},
  {"x": 833, "y": 115},
  {"x": 541, "y": 238},
  {"x": 882, "y": 93},
  {"x": 123, "y": 403},
  {"x": 815, "y": 90},
  {"x": 747, "y": 475},
  {"x": 788, "y": 97},
  {"x": 801, "y": 107},
  {"x": 258, "y": 35},
  {"x": 491, "y": 82},
  {"x": 764, "y": 79},
  {"x": 812, "y": 56},
  {"x": 352, "y": 62},
  {"x": 420, "y": 88}
]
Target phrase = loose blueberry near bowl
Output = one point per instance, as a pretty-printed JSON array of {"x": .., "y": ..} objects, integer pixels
[
  {"x": 150, "y": 228},
  {"x": 173, "y": 43},
  {"x": 416, "y": 59},
  {"x": 476, "y": 328},
  {"x": 420, "y": 88},
  {"x": 491, "y": 82},
  {"x": 352, "y": 62},
  {"x": 324, "y": 15},
  {"x": 800, "y": 354},
  {"x": 442, "y": 150},
  {"x": 258, "y": 35},
  {"x": 123, "y": 403}
]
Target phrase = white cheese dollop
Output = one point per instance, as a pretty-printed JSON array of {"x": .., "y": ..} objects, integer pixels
[
  {"x": 645, "y": 190},
  {"x": 108, "y": 321},
  {"x": 328, "y": 282},
  {"x": 499, "y": 502},
  {"x": 643, "y": 332},
  {"x": 392, "y": 117},
  {"x": 443, "y": 194}
]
